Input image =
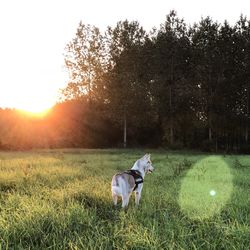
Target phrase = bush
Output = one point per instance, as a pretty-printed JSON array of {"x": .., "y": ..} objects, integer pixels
[
  {"x": 208, "y": 146},
  {"x": 244, "y": 149}
]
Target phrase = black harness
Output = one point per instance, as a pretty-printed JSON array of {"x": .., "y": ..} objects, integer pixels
[{"x": 137, "y": 177}]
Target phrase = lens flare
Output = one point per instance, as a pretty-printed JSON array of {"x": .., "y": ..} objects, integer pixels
[
  {"x": 206, "y": 188},
  {"x": 212, "y": 193}
]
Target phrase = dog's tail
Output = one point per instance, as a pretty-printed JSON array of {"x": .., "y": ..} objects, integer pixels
[
  {"x": 116, "y": 185},
  {"x": 115, "y": 181},
  {"x": 116, "y": 190}
]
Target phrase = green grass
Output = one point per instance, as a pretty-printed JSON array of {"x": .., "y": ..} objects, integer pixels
[{"x": 61, "y": 199}]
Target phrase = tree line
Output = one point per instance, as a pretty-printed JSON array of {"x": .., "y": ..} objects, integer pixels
[{"x": 178, "y": 86}]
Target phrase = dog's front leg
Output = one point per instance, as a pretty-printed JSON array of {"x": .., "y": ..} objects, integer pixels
[
  {"x": 137, "y": 198},
  {"x": 138, "y": 194}
]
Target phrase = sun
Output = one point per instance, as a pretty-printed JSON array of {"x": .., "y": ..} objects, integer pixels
[
  {"x": 39, "y": 114},
  {"x": 33, "y": 100},
  {"x": 35, "y": 108}
]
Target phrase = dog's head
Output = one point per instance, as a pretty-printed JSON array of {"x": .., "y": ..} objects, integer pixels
[{"x": 147, "y": 164}]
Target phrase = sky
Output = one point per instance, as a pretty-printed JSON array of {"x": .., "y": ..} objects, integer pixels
[{"x": 34, "y": 33}]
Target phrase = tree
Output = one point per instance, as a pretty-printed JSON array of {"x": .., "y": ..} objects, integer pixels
[
  {"x": 125, "y": 94},
  {"x": 242, "y": 34},
  {"x": 85, "y": 59},
  {"x": 171, "y": 64},
  {"x": 208, "y": 68}
]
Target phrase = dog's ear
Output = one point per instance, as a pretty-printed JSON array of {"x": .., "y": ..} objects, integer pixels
[{"x": 146, "y": 156}]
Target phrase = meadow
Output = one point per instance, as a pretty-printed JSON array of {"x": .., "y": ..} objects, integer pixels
[{"x": 61, "y": 199}]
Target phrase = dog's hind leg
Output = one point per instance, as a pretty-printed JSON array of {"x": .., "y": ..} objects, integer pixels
[
  {"x": 114, "y": 197},
  {"x": 125, "y": 200}
]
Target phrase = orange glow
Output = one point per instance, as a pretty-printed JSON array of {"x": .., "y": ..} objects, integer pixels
[
  {"x": 36, "y": 106},
  {"x": 35, "y": 112}
]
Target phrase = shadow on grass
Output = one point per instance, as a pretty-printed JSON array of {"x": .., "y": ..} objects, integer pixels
[
  {"x": 104, "y": 209},
  {"x": 8, "y": 187}
]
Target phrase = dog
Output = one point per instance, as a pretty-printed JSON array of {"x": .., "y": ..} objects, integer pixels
[{"x": 123, "y": 184}]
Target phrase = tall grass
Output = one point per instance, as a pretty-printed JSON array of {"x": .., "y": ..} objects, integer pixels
[{"x": 60, "y": 199}]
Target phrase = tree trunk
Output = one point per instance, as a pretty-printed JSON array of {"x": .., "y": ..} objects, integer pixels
[
  {"x": 125, "y": 130},
  {"x": 246, "y": 133},
  {"x": 246, "y": 125},
  {"x": 89, "y": 88},
  {"x": 210, "y": 109},
  {"x": 171, "y": 117},
  {"x": 160, "y": 128},
  {"x": 210, "y": 133},
  {"x": 170, "y": 103}
]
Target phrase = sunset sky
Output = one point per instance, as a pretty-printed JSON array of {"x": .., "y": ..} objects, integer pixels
[{"x": 34, "y": 34}]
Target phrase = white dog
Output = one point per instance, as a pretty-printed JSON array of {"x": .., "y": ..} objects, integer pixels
[{"x": 123, "y": 184}]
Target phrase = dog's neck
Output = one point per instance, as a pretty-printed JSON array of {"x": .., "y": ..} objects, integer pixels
[{"x": 139, "y": 168}]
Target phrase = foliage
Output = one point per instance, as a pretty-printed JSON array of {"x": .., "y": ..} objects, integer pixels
[
  {"x": 175, "y": 87},
  {"x": 190, "y": 81},
  {"x": 85, "y": 60}
]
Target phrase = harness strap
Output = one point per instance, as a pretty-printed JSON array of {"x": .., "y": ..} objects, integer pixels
[{"x": 137, "y": 177}]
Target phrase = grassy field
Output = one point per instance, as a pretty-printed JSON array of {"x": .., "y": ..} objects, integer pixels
[{"x": 61, "y": 200}]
